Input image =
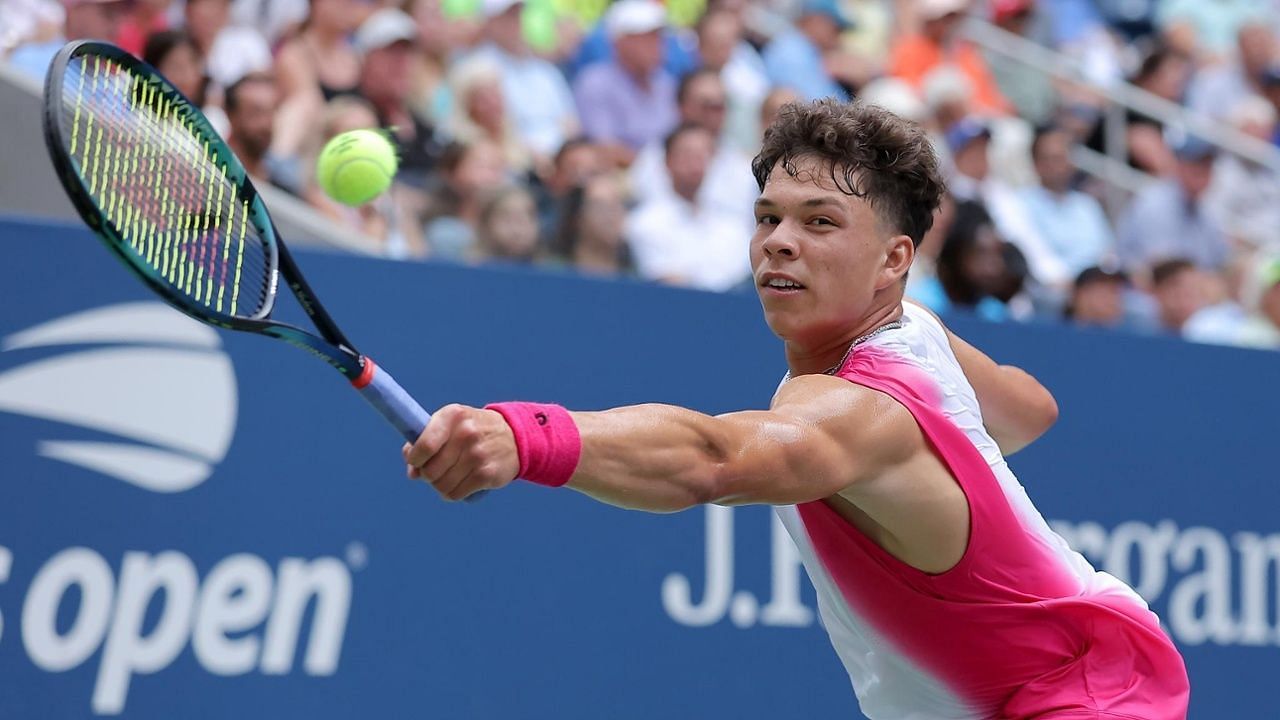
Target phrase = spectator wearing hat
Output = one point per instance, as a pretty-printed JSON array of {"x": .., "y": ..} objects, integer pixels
[
  {"x": 679, "y": 49},
  {"x": 968, "y": 142},
  {"x": 796, "y": 57},
  {"x": 1072, "y": 223},
  {"x": 83, "y": 19},
  {"x": 929, "y": 37},
  {"x": 537, "y": 97},
  {"x": 1168, "y": 218},
  {"x": 387, "y": 43},
  {"x": 630, "y": 100}
]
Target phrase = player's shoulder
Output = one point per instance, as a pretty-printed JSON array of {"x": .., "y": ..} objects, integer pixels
[
  {"x": 866, "y": 423},
  {"x": 824, "y": 399}
]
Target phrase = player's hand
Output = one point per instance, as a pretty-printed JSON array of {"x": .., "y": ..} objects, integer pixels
[{"x": 463, "y": 450}]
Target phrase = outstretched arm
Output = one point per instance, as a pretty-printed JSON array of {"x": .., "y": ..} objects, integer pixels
[{"x": 821, "y": 436}]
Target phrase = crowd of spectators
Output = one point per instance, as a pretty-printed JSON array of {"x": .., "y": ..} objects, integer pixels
[{"x": 616, "y": 138}]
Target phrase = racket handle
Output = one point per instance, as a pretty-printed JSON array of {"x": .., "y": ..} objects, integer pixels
[{"x": 396, "y": 405}]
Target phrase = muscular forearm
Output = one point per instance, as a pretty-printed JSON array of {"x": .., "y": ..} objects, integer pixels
[
  {"x": 650, "y": 457},
  {"x": 662, "y": 458},
  {"x": 821, "y": 436}
]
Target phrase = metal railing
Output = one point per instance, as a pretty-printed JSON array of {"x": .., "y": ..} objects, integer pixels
[{"x": 1113, "y": 166}]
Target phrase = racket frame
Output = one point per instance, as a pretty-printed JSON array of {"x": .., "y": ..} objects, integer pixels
[{"x": 332, "y": 345}]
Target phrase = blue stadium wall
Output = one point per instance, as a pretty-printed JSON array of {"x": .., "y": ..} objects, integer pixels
[{"x": 210, "y": 525}]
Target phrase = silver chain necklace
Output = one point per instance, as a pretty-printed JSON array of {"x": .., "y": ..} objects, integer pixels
[{"x": 892, "y": 325}]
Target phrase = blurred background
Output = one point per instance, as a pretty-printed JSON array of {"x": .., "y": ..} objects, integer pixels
[
  {"x": 575, "y": 175},
  {"x": 1111, "y": 164}
]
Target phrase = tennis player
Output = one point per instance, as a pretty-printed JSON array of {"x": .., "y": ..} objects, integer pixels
[{"x": 945, "y": 593}]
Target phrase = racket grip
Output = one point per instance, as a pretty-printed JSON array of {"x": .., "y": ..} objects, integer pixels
[{"x": 396, "y": 404}]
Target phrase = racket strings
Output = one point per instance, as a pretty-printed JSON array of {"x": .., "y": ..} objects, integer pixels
[{"x": 170, "y": 197}]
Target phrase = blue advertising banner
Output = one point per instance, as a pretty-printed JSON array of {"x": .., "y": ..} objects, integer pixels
[{"x": 201, "y": 524}]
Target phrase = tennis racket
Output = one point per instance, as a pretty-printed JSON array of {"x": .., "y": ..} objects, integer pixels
[{"x": 153, "y": 179}]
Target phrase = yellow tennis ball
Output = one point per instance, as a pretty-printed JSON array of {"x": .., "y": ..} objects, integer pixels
[{"x": 357, "y": 166}]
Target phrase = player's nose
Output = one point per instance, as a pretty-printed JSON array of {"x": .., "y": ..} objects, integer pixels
[{"x": 782, "y": 241}]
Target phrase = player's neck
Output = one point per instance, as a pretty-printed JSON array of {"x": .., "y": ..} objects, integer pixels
[{"x": 823, "y": 357}]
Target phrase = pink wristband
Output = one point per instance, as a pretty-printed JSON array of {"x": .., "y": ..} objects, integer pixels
[{"x": 547, "y": 440}]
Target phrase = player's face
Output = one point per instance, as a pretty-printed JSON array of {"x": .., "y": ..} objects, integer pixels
[{"x": 832, "y": 245}]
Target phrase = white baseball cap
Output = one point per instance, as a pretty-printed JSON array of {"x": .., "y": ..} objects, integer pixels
[
  {"x": 384, "y": 27},
  {"x": 934, "y": 9},
  {"x": 635, "y": 17}
]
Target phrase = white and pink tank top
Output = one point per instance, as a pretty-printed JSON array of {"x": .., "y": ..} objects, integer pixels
[{"x": 1022, "y": 626}]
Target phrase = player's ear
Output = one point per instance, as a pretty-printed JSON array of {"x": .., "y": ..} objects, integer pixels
[{"x": 899, "y": 254}]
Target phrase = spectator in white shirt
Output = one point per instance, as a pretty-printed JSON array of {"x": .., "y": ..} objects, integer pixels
[
  {"x": 537, "y": 96},
  {"x": 1072, "y": 223},
  {"x": 969, "y": 142},
  {"x": 722, "y": 48},
  {"x": 677, "y": 237},
  {"x": 1254, "y": 321},
  {"x": 729, "y": 186}
]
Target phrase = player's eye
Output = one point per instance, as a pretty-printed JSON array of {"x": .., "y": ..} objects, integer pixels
[
  {"x": 766, "y": 219},
  {"x": 822, "y": 221}
]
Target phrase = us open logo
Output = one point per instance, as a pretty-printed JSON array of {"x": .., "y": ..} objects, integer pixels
[{"x": 154, "y": 382}]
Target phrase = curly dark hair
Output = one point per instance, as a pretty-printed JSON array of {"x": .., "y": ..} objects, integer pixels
[{"x": 869, "y": 152}]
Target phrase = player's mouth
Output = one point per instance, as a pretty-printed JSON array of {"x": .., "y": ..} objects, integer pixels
[{"x": 779, "y": 284}]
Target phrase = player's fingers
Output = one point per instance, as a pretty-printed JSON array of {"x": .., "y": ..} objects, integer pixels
[
  {"x": 434, "y": 436},
  {"x": 450, "y": 480},
  {"x": 442, "y": 461},
  {"x": 410, "y": 470},
  {"x": 484, "y": 476}
]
